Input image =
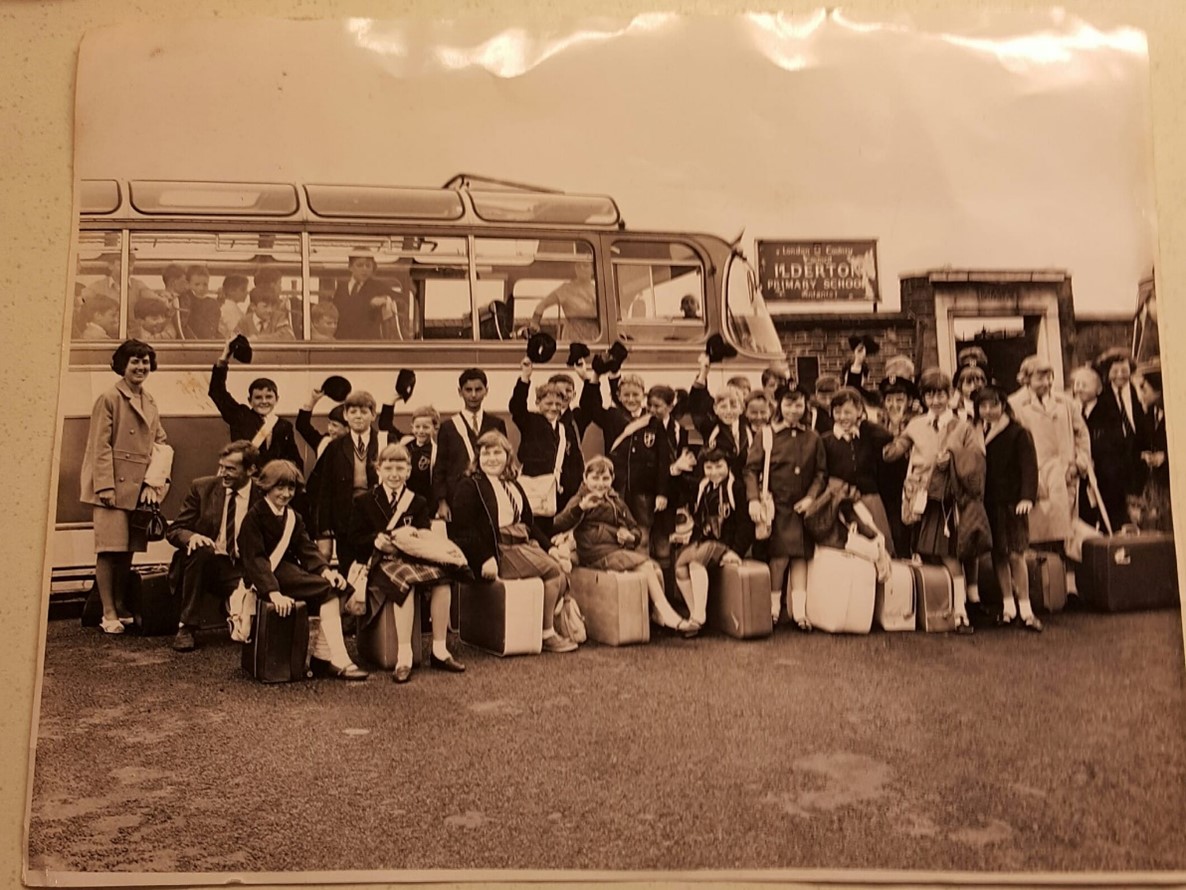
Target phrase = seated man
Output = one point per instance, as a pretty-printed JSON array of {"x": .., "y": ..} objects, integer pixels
[{"x": 205, "y": 532}]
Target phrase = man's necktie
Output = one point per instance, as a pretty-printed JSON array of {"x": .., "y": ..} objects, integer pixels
[{"x": 229, "y": 532}]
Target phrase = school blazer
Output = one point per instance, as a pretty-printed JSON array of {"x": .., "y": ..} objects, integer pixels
[
  {"x": 119, "y": 446},
  {"x": 357, "y": 318},
  {"x": 642, "y": 462},
  {"x": 475, "y": 521},
  {"x": 371, "y": 511},
  {"x": 704, "y": 418},
  {"x": 245, "y": 423},
  {"x": 201, "y": 512},
  {"x": 453, "y": 459},
  {"x": 538, "y": 443},
  {"x": 258, "y": 536},
  {"x": 737, "y": 530},
  {"x": 333, "y": 491},
  {"x": 1012, "y": 466}
]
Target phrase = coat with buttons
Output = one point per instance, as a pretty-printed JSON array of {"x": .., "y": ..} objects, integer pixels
[
  {"x": 798, "y": 469},
  {"x": 119, "y": 445}
]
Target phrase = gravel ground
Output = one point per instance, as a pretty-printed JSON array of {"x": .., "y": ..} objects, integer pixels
[{"x": 1000, "y": 752}]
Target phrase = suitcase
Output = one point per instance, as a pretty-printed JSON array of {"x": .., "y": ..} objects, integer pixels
[
  {"x": 378, "y": 642},
  {"x": 893, "y": 606},
  {"x": 149, "y": 598},
  {"x": 503, "y": 617},
  {"x": 739, "y": 600},
  {"x": 934, "y": 598},
  {"x": 616, "y": 606},
  {"x": 841, "y": 592},
  {"x": 279, "y": 647},
  {"x": 1048, "y": 581},
  {"x": 1129, "y": 572}
]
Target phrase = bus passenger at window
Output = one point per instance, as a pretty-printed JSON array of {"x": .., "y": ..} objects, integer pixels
[
  {"x": 204, "y": 311},
  {"x": 577, "y": 302},
  {"x": 689, "y": 307},
  {"x": 234, "y": 305},
  {"x": 266, "y": 319},
  {"x": 99, "y": 318},
  {"x": 364, "y": 302},
  {"x": 323, "y": 317},
  {"x": 152, "y": 321},
  {"x": 109, "y": 285}
]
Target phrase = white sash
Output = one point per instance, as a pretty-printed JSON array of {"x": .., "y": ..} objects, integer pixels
[
  {"x": 763, "y": 529},
  {"x": 463, "y": 430},
  {"x": 265, "y": 430},
  {"x": 631, "y": 428},
  {"x": 241, "y": 611},
  {"x": 360, "y": 571}
]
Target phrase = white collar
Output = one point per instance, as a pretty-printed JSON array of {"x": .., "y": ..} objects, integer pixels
[
  {"x": 854, "y": 433},
  {"x": 392, "y": 493},
  {"x": 244, "y": 491},
  {"x": 272, "y": 507}
]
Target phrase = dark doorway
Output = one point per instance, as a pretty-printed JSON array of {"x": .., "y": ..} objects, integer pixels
[{"x": 1005, "y": 340}]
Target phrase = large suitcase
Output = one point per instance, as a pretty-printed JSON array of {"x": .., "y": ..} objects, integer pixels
[
  {"x": 739, "y": 601},
  {"x": 378, "y": 642},
  {"x": 149, "y": 598},
  {"x": 1129, "y": 572},
  {"x": 503, "y": 617},
  {"x": 616, "y": 605},
  {"x": 841, "y": 592},
  {"x": 894, "y": 606},
  {"x": 1048, "y": 581},
  {"x": 935, "y": 598},
  {"x": 279, "y": 647}
]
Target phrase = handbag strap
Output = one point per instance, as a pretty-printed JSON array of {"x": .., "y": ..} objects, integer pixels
[
  {"x": 1095, "y": 488},
  {"x": 285, "y": 538},
  {"x": 767, "y": 446}
]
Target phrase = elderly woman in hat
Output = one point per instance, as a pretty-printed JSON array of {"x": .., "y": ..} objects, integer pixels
[
  {"x": 1063, "y": 449},
  {"x": 125, "y": 467}
]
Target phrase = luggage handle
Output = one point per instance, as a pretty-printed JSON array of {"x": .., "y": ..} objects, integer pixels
[{"x": 1121, "y": 557}]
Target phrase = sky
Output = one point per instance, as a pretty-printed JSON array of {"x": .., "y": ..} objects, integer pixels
[{"x": 1015, "y": 143}]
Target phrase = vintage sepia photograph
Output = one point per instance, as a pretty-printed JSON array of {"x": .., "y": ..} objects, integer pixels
[{"x": 667, "y": 446}]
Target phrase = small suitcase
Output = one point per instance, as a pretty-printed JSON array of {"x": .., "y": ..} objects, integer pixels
[
  {"x": 616, "y": 606},
  {"x": 279, "y": 647},
  {"x": 1048, "y": 581},
  {"x": 739, "y": 601},
  {"x": 841, "y": 592},
  {"x": 155, "y": 610},
  {"x": 1129, "y": 572},
  {"x": 934, "y": 598},
  {"x": 893, "y": 607},
  {"x": 503, "y": 617},
  {"x": 378, "y": 642}
]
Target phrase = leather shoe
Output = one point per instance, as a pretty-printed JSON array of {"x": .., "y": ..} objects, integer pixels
[
  {"x": 402, "y": 674},
  {"x": 319, "y": 667},
  {"x": 184, "y": 641},
  {"x": 349, "y": 672},
  {"x": 447, "y": 664}
]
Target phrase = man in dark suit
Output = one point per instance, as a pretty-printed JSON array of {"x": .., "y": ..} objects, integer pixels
[
  {"x": 1119, "y": 426},
  {"x": 205, "y": 534},
  {"x": 368, "y": 309},
  {"x": 457, "y": 440}
]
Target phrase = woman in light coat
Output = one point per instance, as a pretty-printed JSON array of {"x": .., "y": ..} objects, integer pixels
[
  {"x": 1063, "y": 447},
  {"x": 116, "y": 477}
]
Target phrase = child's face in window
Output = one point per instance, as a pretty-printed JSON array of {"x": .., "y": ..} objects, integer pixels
[
  {"x": 422, "y": 429},
  {"x": 336, "y": 430},
  {"x": 236, "y": 294},
  {"x": 599, "y": 481},
  {"x": 659, "y": 408},
  {"x": 394, "y": 473},
  {"x": 551, "y": 406},
  {"x": 793, "y": 408},
  {"x": 265, "y": 310},
  {"x": 846, "y": 415},
  {"x": 895, "y": 405},
  {"x": 473, "y": 394},
  {"x": 199, "y": 285},
  {"x": 362, "y": 268},
  {"x": 154, "y": 324},
  {"x": 728, "y": 410},
  {"x": 262, "y": 401},
  {"x": 492, "y": 459},
  {"x": 936, "y": 400},
  {"x": 326, "y": 326},
  {"x": 359, "y": 418},
  {"x": 280, "y": 495},
  {"x": 716, "y": 471},
  {"x": 757, "y": 413},
  {"x": 108, "y": 321},
  {"x": 631, "y": 397}
]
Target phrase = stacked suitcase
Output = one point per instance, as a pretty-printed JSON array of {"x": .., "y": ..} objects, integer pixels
[
  {"x": 739, "y": 601},
  {"x": 841, "y": 590},
  {"x": 1129, "y": 572},
  {"x": 503, "y": 617}
]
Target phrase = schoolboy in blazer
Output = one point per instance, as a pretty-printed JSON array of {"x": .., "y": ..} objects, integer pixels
[
  {"x": 539, "y": 437},
  {"x": 247, "y": 421},
  {"x": 458, "y": 438}
]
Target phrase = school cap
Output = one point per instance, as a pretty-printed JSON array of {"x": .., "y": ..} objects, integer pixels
[
  {"x": 972, "y": 355},
  {"x": 612, "y": 359},
  {"x": 541, "y": 347},
  {"x": 405, "y": 383},
  {"x": 718, "y": 350},
  {"x": 338, "y": 414},
  {"x": 872, "y": 347},
  {"x": 241, "y": 349},
  {"x": 577, "y": 352},
  {"x": 336, "y": 387}
]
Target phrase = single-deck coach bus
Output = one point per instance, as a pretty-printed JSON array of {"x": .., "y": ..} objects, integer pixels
[{"x": 458, "y": 276}]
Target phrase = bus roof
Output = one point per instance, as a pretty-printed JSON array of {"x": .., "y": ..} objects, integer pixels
[{"x": 464, "y": 199}]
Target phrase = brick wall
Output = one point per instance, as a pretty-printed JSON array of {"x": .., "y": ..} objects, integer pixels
[{"x": 826, "y": 337}]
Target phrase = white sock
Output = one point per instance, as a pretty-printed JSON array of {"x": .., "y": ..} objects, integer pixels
[
  {"x": 549, "y": 633},
  {"x": 440, "y": 650},
  {"x": 799, "y": 605},
  {"x": 973, "y": 593},
  {"x": 1010, "y": 608},
  {"x": 403, "y": 657},
  {"x": 775, "y": 604},
  {"x": 320, "y": 646},
  {"x": 1025, "y": 609}
]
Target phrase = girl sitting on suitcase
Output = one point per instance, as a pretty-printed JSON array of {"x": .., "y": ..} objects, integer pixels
[
  {"x": 946, "y": 458},
  {"x": 493, "y": 525},
  {"x": 392, "y": 577},
  {"x": 798, "y": 472},
  {"x": 721, "y": 531},
  {"x": 607, "y": 537},
  {"x": 1010, "y": 488},
  {"x": 302, "y": 574}
]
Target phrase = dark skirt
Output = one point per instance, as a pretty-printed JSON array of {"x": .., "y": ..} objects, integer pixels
[
  {"x": 936, "y": 531},
  {"x": 1010, "y": 532},
  {"x": 619, "y": 561},
  {"x": 788, "y": 536}
]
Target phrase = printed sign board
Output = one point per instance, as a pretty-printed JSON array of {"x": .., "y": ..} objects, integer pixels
[{"x": 818, "y": 271}]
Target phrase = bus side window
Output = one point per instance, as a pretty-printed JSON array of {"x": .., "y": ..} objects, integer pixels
[
  {"x": 526, "y": 285},
  {"x": 660, "y": 289},
  {"x": 97, "y": 275}
]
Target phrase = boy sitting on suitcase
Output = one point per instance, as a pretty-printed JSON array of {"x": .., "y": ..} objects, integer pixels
[
  {"x": 302, "y": 573},
  {"x": 608, "y": 536},
  {"x": 721, "y": 531}
]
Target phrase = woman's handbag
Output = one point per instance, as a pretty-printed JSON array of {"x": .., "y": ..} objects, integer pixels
[
  {"x": 765, "y": 525},
  {"x": 148, "y": 519}
]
